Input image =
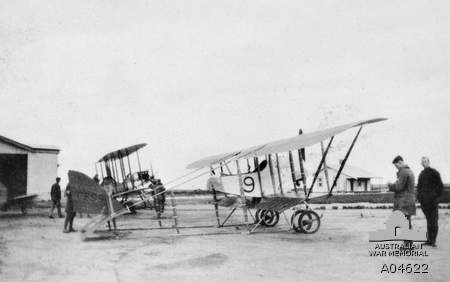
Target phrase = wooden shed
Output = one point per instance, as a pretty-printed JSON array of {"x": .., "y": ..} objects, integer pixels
[
  {"x": 27, "y": 169},
  {"x": 352, "y": 179}
]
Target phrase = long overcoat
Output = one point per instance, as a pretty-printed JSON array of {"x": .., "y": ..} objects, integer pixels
[{"x": 404, "y": 197}]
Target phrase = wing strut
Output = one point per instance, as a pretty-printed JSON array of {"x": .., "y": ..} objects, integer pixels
[
  {"x": 272, "y": 176},
  {"x": 301, "y": 158},
  {"x": 291, "y": 164},
  {"x": 325, "y": 168},
  {"x": 138, "y": 160},
  {"x": 324, "y": 155},
  {"x": 129, "y": 168},
  {"x": 101, "y": 170},
  {"x": 241, "y": 188},
  {"x": 256, "y": 162},
  {"x": 112, "y": 163},
  {"x": 279, "y": 173},
  {"x": 139, "y": 166},
  {"x": 227, "y": 167},
  {"x": 344, "y": 161},
  {"x": 216, "y": 206}
]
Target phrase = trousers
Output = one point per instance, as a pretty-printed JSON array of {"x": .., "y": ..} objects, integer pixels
[
  {"x": 69, "y": 220},
  {"x": 432, "y": 216}
]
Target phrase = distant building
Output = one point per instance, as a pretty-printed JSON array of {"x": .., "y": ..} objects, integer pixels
[
  {"x": 352, "y": 179},
  {"x": 27, "y": 169}
]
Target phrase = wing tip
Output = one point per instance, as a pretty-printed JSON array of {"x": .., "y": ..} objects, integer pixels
[{"x": 373, "y": 120}]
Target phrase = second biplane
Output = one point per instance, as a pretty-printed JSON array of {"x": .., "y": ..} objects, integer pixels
[
  {"x": 120, "y": 190},
  {"x": 123, "y": 182}
]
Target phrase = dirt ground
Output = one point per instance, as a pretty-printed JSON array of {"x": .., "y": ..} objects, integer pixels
[{"x": 33, "y": 248}]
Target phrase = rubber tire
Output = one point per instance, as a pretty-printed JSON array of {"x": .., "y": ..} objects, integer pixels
[
  {"x": 294, "y": 221},
  {"x": 273, "y": 219},
  {"x": 311, "y": 216}
]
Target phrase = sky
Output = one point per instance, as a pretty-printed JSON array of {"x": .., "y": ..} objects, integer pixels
[{"x": 197, "y": 78}]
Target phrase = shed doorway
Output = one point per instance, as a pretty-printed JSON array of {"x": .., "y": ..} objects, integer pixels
[{"x": 13, "y": 174}]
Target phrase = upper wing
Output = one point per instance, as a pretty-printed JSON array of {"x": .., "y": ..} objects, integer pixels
[
  {"x": 283, "y": 145},
  {"x": 212, "y": 160},
  {"x": 122, "y": 152},
  {"x": 221, "y": 158}
]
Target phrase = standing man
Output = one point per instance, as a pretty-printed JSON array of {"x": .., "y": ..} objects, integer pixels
[
  {"x": 429, "y": 189},
  {"x": 160, "y": 198},
  {"x": 70, "y": 211},
  {"x": 55, "y": 194},
  {"x": 404, "y": 196}
]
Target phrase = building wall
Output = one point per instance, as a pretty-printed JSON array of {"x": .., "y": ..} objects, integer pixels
[
  {"x": 42, "y": 171},
  {"x": 341, "y": 186},
  {"x": 360, "y": 186}
]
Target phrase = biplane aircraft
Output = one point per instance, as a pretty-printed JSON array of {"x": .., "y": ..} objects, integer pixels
[
  {"x": 123, "y": 184},
  {"x": 119, "y": 191},
  {"x": 265, "y": 184}
]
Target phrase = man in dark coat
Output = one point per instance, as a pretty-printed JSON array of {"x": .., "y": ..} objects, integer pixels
[
  {"x": 70, "y": 212},
  {"x": 429, "y": 189},
  {"x": 159, "y": 196},
  {"x": 404, "y": 195},
  {"x": 55, "y": 194}
]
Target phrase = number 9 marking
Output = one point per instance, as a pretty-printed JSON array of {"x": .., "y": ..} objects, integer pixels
[{"x": 249, "y": 183}]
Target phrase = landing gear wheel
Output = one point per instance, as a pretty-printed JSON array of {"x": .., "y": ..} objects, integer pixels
[
  {"x": 308, "y": 222},
  {"x": 269, "y": 218},
  {"x": 294, "y": 220},
  {"x": 305, "y": 221}
]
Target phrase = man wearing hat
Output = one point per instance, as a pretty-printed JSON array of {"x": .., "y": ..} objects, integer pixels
[{"x": 55, "y": 194}]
